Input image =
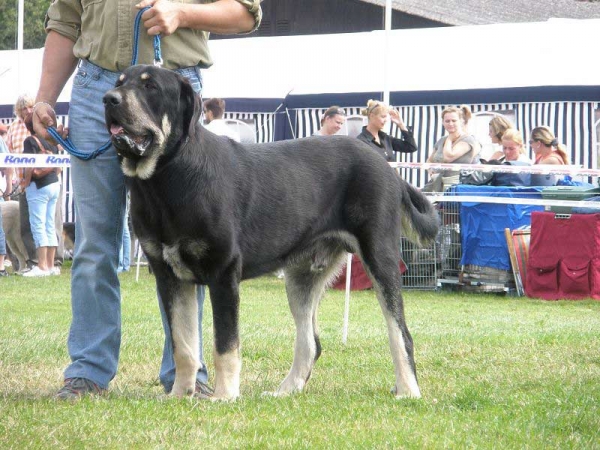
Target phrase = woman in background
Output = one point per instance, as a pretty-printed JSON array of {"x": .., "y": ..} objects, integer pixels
[
  {"x": 42, "y": 188},
  {"x": 497, "y": 127},
  {"x": 513, "y": 148},
  {"x": 332, "y": 121},
  {"x": 378, "y": 114},
  {"x": 546, "y": 148},
  {"x": 458, "y": 146}
]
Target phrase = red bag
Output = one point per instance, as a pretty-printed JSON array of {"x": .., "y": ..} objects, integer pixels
[{"x": 564, "y": 256}]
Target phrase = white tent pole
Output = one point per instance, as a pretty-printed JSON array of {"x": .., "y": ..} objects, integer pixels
[
  {"x": 138, "y": 249},
  {"x": 20, "y": 14},
  {"x": 386, "y": 59},
  {"x": 347, "y": 302}
]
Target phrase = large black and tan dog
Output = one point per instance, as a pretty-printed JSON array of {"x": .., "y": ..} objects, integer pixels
[{"x": 211, "y": 211}]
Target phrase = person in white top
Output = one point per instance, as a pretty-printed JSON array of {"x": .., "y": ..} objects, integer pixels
[{"x": 214, "y": 109}]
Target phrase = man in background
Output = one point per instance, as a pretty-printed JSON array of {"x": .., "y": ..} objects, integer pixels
[{"x": 214, "y": 111}]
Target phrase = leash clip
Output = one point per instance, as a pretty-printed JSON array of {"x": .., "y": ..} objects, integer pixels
[{"x": 158, "y": 62}]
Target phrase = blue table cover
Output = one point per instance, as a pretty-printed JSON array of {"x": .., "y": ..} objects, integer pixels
[{"x": 482, "y": 224}]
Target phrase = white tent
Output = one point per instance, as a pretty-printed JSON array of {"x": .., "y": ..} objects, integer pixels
[
  {"x": 20, "y": 74},
  {"x": 559, "y": 52}
]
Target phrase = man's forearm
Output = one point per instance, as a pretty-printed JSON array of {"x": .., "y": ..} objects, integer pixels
[
  {"x": 221, "y": 17},
  {"x": 57, "y": 66}
]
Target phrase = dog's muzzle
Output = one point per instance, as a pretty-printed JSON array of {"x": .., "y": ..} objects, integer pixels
[{"x": 129, "y": 146}]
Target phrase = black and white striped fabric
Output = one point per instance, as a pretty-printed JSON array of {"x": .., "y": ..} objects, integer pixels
[
  {"x": 574, "y": 124},
  {"x": 263, "y": 124}
]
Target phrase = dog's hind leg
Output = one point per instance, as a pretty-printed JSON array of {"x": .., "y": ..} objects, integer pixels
[
  {"x": 305, "y": 288},
  {"x": 181, "y": 308},
  {"x": 382, "y": 266}
]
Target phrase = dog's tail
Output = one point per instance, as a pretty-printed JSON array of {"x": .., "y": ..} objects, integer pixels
[{"x": 420, "y": 220}]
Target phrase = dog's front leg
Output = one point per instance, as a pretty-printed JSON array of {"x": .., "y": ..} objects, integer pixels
[
  {"x": 181, "y": 308},
  {"x": 224, "y": 296}
]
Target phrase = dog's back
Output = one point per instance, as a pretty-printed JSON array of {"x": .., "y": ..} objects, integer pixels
[{"x": 283, "y": 197}]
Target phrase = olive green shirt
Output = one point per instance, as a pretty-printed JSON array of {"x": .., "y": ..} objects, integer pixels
[{"x": 103, "y": 34}]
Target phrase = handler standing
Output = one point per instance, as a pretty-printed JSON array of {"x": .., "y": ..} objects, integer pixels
[{"x": 97, "y": 39}]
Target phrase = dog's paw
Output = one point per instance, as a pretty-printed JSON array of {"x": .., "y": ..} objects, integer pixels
[
  {"x": 223, "y": 395},
  {"x": 223, "y": 399},
  {"x": 281, "y": 393},
  {"x": 405, "y": 394},
  {"x": 270, "y": 394}
]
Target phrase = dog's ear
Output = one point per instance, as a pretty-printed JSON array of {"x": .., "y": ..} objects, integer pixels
[{"x": 190, "y": 107}]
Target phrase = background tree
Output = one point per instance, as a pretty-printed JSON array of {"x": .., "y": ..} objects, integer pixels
[{"x": 33, "y": 25}]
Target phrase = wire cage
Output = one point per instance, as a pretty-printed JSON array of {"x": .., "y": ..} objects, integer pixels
[
  {"x": 441, "y": 259},
  {"x": 454, "y": 275},
  {"x": 422, "y": 265},
  {"x": 438, "y": 265}
]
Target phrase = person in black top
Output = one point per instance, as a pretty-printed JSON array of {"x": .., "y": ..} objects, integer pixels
[
  {"x": 377, "y": 115},
  {"x": 42, "y": 188}
]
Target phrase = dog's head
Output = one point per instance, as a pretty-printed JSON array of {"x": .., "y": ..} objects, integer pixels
[{"x": 147, "y": 114}]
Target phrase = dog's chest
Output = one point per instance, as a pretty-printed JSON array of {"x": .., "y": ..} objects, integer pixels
[{"x": 182, "y": 256}]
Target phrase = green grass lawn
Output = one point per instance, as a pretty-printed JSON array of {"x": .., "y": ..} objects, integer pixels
[{"x": 495, "y": 372}]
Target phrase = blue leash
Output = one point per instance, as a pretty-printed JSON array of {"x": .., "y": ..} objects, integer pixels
[
  {"x": 136, "y": 34},
  {"x": 67, "y": 144}
]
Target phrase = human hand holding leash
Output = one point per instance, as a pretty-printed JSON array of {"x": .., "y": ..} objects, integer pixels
[
  {"x": 162, "y": 18},
  {"x": 45, "y": 117},
  {"x": 221, "y": 17}
]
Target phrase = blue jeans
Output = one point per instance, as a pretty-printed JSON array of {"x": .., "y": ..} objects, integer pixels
[
  {"x": 2, "y": 235},
  {"x": 125, "y": 250},
  {"x": 42, "y": 208},
  {"x": 99, "y": 196}
]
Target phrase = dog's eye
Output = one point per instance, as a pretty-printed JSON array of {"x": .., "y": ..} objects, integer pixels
[{"x": 149, "y": 85}]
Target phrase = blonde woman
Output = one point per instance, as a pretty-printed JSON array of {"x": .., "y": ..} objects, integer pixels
[
  {"x": 17, "y": 131},
  {"x": 497, "y": 127},
  {"x": 546, "y": 148},
  {"x": 513, "y": 148},
  {"x": 378, "y": 114},
  {"x": 458, "y": 146}
]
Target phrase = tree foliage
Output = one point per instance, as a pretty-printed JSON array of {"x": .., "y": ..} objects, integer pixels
[{"x": 33, "y": 24}]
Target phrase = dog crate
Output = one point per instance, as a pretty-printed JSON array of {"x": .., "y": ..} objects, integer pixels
[
  {"x": 453, "y": 274},
  {"x": 441, "y": 259},
  {"x": 449, "y": 241},
  {"x": 422, "y": 265}
]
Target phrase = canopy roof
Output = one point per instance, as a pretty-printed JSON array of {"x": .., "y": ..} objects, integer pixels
[
  {"x": 559, "y": 52},
  {"x": 479, "y": 12},
  {"x": 552, "y": 53}
]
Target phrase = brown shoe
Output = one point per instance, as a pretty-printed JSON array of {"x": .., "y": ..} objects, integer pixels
[{"x": 75, "y": 388}]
